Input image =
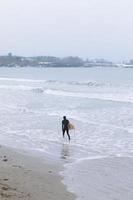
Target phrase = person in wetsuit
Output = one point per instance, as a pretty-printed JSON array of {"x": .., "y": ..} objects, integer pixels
[{"x": 65, "y": 127}]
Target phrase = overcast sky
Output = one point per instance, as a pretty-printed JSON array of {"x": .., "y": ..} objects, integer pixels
[{"x": 86, "y": 28}]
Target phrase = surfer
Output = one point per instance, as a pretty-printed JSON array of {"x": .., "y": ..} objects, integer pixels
[{"x": 65, "y": 128}]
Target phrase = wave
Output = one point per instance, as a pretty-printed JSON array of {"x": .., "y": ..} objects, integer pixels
[
  {"x": 121, "y": 94},
  {"x": 87, "y": 83},
  {"x": 78, "y": 83},
  {"x": 106, "y": 96},
  {"x": 81, "y": 83},
  {"x": 119, "y": 97},
  {"x": 21, "y": 80},
  {"x": 21, "y": 87},
  {"x": 74, "y": 83}
]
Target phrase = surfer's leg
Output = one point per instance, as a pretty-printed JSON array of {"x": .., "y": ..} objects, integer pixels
[
  {"x": 63, "y": 132},
  {"x": 68, "y": 134}
]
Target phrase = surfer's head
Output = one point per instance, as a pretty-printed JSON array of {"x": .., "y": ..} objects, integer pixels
[{"x": 64, "y": 117}]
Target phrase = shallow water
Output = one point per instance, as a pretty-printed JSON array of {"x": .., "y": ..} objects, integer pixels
[{"x": 98, "y": 101}]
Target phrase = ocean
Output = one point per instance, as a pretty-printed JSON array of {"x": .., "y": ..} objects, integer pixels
[{"x": 98, "y": 101}]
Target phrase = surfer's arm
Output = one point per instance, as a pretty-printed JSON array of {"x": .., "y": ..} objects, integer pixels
[{"x": 62, "y": 126}]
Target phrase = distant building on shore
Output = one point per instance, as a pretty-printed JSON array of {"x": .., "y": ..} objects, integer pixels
[{"x": 11, "y": 60}]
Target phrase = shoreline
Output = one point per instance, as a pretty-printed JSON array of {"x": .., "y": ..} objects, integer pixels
[{"x": 30, "y": 178}]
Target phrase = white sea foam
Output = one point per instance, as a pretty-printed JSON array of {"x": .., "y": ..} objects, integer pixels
[
  {"x": 112, "y": 96},
  {"x": 105, "y": 95},
  {"x": 21, "y": 80}
]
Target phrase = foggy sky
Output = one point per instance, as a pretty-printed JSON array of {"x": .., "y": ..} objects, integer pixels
[{"x": 86, "y": 28}]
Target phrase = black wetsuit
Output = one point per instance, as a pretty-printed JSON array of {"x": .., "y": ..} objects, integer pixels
[{"x": 65, "y": 123}]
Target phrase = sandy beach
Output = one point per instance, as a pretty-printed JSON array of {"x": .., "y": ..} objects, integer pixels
[{"x": 28, "y": 178}]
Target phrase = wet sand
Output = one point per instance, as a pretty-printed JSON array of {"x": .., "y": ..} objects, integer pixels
[{"x": 29, "y": 178}]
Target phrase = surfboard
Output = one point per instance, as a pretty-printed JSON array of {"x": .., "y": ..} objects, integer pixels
[{"x": 71, "y": 126}]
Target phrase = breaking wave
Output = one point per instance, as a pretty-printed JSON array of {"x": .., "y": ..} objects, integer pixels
[
  {"x": 78, "y": 83},
  {"x": 100, "y": 91},
  {"x": 21, "y": 80},
  {"x": 100, "y": 96},
  {"x": 105, "y": 95}
]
